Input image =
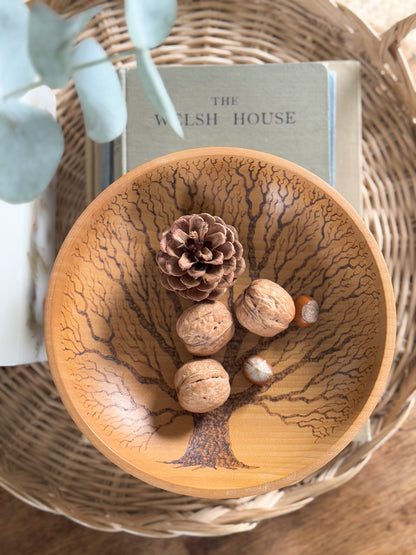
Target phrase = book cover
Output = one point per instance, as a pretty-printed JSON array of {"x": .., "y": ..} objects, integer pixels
[
  {"x": 309, "y": 113},
  {"x": 347, "y": 131},
  {"x": 282, "y": 109}
]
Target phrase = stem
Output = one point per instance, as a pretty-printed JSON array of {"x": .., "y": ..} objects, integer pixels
[
  {"x": 22, "y": 90},
  {"x": 112, "y": 58},
  {"x": 38, "y": 82}
]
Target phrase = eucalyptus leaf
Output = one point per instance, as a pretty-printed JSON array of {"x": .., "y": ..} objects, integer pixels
[
  {"x": 16, "y": 70},
  {"x": 32, "y": 145},
  {"x": 156, "y": 90},
  {"x": 51, "y": 41},
  {"x": 99, "y": 92},
  {"x": 149, "y": 22}
]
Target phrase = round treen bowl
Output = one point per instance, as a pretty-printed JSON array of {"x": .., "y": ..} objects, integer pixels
[{"x": 113, "y": 349}]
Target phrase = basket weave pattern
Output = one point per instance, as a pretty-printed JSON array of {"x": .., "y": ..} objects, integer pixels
[{"x": 44, "y": 459}]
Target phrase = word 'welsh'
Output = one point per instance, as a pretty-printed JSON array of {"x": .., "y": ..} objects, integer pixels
[{"x": 201, "y": 119}]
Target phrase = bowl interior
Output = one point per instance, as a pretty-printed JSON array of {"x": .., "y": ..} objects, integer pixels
[{"x": 113, "y": 349}]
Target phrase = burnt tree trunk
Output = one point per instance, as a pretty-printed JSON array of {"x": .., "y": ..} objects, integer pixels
[{"x": 210, "y": 444}]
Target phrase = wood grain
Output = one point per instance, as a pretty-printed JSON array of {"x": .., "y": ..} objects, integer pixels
[
  {"x": 111, "y": 335},
  {"x": 373, "y": 514}
]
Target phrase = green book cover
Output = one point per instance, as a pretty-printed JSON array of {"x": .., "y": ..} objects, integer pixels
[
  {"x": 290, "y": 110},
  {"x": 282, "y": 109}
]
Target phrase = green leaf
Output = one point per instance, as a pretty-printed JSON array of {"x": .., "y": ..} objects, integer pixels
[
  {"x": 51, "y": 41},
  {"x": 156, "y": 91},
  {"x": 32, "y": 145},
  {"x": 99, "y": 92},
  {"x": 149, "y": 22},
  {"x": 16, "y": 70}
]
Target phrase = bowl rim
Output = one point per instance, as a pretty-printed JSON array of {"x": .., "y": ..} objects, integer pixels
[{"x": 385, "y": 361}]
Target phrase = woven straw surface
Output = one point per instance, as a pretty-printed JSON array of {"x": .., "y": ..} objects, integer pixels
[{"x": 44, "y": 459}]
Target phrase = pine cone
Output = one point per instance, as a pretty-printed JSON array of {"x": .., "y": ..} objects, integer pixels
[{"x": 200, "y": 257}]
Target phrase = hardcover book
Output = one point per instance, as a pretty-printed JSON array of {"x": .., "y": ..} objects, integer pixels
[{"x": 308, "y": 113}]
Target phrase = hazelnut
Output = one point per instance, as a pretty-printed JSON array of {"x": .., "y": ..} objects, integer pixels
[
  {"x": 205, "y": 328},
  {"x": 307, "y": 311},
  {"x": 265, "y": 308},
  {"x": 202, "y": 385},
  {"x": 257, "y": 370}
]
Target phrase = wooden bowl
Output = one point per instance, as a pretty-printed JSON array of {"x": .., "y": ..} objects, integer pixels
[{"x": 113, "y": 349}]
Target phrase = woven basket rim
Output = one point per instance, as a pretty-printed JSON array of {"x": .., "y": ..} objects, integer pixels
[{"x": 389, "y": 191}]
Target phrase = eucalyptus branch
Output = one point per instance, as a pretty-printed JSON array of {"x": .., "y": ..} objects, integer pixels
[
  {"x": 47, "y": 52},
  {"x": 39, "y": 82},
  {"x": 23, "y": 90},
  {"x": 112, "y": 58}
]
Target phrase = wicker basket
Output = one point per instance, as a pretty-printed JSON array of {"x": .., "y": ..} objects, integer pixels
[{"x": 44, "y": 459}]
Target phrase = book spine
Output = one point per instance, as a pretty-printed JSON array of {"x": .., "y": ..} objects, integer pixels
[
  {"x": 90, "y": 191},
  {"x": 120, "y": 143}
]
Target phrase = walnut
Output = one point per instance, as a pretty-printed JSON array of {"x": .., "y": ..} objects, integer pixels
[
  {"x": 205, "y": 327},
  {"x": 265, "y": 308},
  {"x": 202, "y": 385}
]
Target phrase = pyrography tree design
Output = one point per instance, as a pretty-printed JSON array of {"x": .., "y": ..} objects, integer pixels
[{"x": 117, "y": 324}]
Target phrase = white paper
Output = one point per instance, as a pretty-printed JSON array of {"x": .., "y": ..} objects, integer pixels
[{"x": 27, "y": 250}]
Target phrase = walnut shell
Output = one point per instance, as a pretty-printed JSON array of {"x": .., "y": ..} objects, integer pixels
[
  {"x": 205, "y": 327},
  {"x": 202, "y": 385},
  {"x": 264, "y": 308}
]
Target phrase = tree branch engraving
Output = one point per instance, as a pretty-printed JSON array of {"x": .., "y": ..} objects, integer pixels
[{"x": 118, "y": 323}]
